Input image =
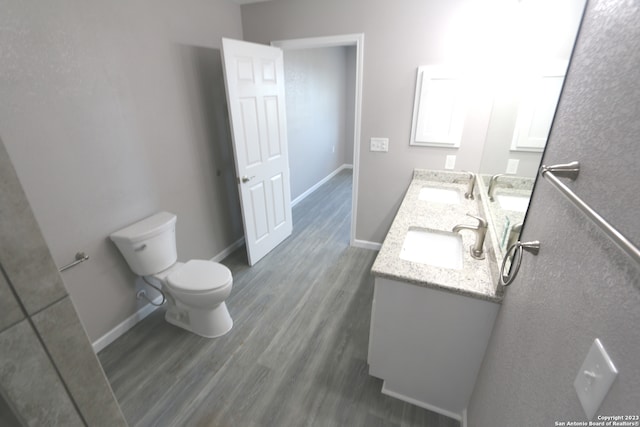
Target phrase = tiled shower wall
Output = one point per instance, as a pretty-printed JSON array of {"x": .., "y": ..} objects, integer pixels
[{"x": 49, "y": 374}]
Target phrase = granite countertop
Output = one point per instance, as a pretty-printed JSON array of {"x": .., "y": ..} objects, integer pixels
[{"x": 476, "y": 278}]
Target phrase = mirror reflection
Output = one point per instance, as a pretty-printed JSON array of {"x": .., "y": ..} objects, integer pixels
[
  {"x": 523, "y": 48},
  {"x": 522, "y": 113},
  {"x": 505, "y": 199}
]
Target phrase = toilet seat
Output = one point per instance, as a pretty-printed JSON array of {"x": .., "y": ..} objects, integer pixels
[{"x": 198, "y": 276}]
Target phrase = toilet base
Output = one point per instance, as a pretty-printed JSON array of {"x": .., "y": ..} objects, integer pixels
[{"x": 210, "y": 323}]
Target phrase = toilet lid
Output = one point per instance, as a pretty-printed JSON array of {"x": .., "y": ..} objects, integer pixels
[{"x": 199, "y": 276}]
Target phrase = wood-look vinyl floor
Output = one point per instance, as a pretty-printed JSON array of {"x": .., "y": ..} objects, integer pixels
[{"x": 297, "y": 353}]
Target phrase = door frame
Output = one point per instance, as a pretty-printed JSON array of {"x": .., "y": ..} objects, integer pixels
[{"x": 345, "y": 40}]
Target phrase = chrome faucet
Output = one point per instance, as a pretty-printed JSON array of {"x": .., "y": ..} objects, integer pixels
[
  {"x": 493, "y": 183},
  {"x": 514, "y": 234},
  {"x": 481, "y": 232},
  {"x": 472, "y": 184}
]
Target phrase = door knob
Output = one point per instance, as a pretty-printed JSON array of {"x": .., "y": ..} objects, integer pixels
[{"x": 247, "y": 178}]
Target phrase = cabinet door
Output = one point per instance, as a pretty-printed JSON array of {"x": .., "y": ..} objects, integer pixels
[
  {"x": 439, "y": 108},
  {"x": 427, "y": 345}
]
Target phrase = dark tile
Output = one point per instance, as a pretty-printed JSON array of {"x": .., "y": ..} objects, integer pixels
[
  {"x": 10, "y": 311},
  {"x": 24, "y": 254},
  {"x": 8, "y": 417},
  {"x": 30, "y": 381},
  {"x": 68, "y": 345}
]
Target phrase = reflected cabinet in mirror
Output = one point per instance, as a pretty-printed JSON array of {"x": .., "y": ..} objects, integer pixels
[{"x": 500, "y": 90}]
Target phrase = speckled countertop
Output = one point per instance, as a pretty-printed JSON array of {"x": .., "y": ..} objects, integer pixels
[{"x": 475, "y": 279}]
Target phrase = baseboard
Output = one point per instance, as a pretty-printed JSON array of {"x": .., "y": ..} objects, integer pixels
[
  {"x": 125, "y": 325},
  {"x": 318, "y": 184},
  {"x": 416, "y": 402},
  {"x": 228, "y": 250},
  {"x": 146, "y": 310},
  {"x": 364, "y": 244}
]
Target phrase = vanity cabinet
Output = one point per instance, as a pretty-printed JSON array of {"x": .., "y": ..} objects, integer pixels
[
  {"x": 428, "y": 344},
  {"x": 430, "y": 322}
]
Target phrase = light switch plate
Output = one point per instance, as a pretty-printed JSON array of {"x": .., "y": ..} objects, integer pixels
[
  {"x": 379, "y": 144},
  {"x": 450, "y": 162},
  {"x": 594, "y": 379},
  {"x": 512, "y": 166}
]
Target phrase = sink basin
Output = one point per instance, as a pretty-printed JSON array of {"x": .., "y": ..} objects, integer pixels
[
  {"x": 513, "y": 203},
  {"x": 432, "y": 247},
  {"x": 439, "y": 195}
]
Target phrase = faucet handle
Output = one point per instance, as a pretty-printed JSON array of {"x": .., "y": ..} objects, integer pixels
[
  {"x": 492, "y": 185},
  {"x": 472, "y": 183},
  {"x": 481, "y": 221}
]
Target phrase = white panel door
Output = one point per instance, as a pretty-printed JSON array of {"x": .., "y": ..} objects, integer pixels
[{"x": 254, "y": 77}]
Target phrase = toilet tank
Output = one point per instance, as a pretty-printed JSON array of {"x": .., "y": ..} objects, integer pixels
[{"x": 149, "y": 245}]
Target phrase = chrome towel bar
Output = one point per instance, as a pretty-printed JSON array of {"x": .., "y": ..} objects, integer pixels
[
  {"x": 571, "y": 171},
  {"x": 80, "y": 257}
]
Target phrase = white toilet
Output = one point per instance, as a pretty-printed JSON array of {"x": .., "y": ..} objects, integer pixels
[{"x": 195, "y": 290}]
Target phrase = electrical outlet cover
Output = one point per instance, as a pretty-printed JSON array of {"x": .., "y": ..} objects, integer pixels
[
  {"x": 595, "y": 377},
  {"x": 379, "y": 144},
  {"x": 450, "y": 162},
  {"x": 512, "y": 166}
]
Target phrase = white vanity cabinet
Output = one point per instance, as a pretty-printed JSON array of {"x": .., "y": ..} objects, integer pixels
[
  {"x": 428, "y": 344},
  {"x": 431, "y": 323}
]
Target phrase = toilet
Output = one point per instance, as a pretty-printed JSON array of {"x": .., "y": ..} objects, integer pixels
[{"x": 195, "y": 291}]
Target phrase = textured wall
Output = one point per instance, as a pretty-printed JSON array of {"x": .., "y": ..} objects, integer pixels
[
  {"x": 316, "y": 88},
  {"x": 110, "y": 112},
  {"x": 581, "y": 286}
]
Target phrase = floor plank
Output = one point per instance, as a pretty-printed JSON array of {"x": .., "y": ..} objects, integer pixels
[{"x": 296, "y": 355}]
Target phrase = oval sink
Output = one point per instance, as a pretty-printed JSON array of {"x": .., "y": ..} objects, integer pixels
[
  {"x": 433, "y": 247},
  {"x": 513, "y": 203},
  {"x": 439, "y": 195}
]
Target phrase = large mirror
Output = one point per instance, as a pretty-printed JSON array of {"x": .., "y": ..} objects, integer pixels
[
  {"x": 519, "y": 51},
  {"x": 523, "y": 110}
]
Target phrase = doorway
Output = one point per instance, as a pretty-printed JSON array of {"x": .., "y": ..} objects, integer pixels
[{"x": 355, "y": 43}]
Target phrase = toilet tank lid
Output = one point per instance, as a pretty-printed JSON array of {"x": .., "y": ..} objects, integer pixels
[{"x": 146, "y": 228}]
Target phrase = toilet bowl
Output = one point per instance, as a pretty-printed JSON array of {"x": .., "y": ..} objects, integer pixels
[{"x": 195, "y": 291}]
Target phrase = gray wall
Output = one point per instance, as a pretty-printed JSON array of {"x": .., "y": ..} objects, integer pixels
[
  {"x": 49, "y": 374},
  {"x": 350, "y": 101},
  {"x": 317, "y": 90},
  {"x": 581, "y": 286},
  {"x": 498, "y": 142},
  {"x": 399, "y": 37},
  {"x": 112, "y": 111}
]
